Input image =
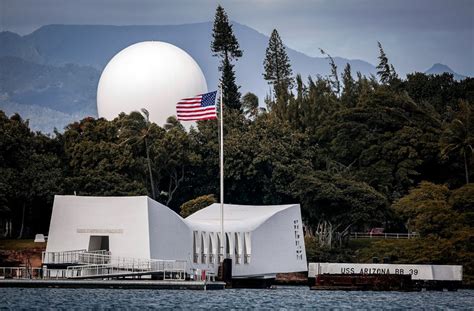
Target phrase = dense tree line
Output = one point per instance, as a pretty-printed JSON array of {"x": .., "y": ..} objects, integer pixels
[
  {"x": 349, "y": 148},
  {"x": 346, "y": 160}
]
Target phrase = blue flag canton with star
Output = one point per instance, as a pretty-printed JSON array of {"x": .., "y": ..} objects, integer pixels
[{"x": 208, "y": 99}]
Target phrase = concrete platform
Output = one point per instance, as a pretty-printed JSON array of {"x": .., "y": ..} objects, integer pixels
[{"x": 121, "y": 284}]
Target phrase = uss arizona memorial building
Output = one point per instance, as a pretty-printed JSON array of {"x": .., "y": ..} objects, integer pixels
[{"x": 260, "y": 240}]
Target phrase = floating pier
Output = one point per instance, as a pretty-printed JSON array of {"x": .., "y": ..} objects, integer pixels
[
  {"x": 404, "y": 277},
  {"x": 117, "y": 284},
  {"x": 355, "y": 282}
]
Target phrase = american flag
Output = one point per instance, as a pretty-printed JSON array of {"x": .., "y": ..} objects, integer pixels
[{"x": 200, "y": 107}]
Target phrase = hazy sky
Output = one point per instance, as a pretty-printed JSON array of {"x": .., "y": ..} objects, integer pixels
[{"x": 415, "y": 33}]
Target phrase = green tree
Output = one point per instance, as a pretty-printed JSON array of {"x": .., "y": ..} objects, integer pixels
[
  {"x": 277, "y": 65},
  {"x": 231, "y": 94},
  {"x": 137, "y": 129},
  {"x": 30, "y": 175},
  {"x": 273, "y": 153},
  {"x": 226, "y": 46},
  {"x": 388, "y": 139},
  {"x": 441, "y": 91},
  {"x": 349, "y": 92},
  {"x": 426, "y": 210},
  {"x": 385, "y": 70},
  {"x": 457, "y": 137},
  {"x": 462, "y": 199},
  {"x": 444, "y": 220},
  {"x": 250, "y": 104},
  {"x": 313, "y": 104},
  {"x": 173, "y": 155},
  {"x": 45, "y": 179},
  {"x": 96, "y": 162},
  {"x": 194, "y": 205},
  {"x": 333, "y": 78},
  {"x": 15, "y": 148},
  {"x": 338, "y": 200}
]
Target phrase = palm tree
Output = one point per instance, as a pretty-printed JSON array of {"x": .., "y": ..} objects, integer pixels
[
  {"x": 457, "y": 137},
  {"x": 250, "y": 104},
  {"x": 173, "y": 155},
  {"x": 172, "y": 122},
  {"x": 136, "y": 128}
]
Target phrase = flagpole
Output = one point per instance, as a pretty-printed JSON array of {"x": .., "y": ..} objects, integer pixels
[{"x": 222, "y": 173}]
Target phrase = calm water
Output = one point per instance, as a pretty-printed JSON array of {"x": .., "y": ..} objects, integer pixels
[{"x": 280, "y": 298}]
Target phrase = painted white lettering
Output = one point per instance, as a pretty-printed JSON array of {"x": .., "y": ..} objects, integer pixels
[{"x": 99, "y": 230}]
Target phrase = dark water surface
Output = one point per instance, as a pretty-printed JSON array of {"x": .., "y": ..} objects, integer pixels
[{"x": 289, "y": 298}]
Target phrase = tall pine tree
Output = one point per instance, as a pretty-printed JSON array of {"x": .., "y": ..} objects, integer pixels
[
  {"x": 385, "y": 70},
  {"x": 348, "y": 96},
  {"x": 226, "y": 46},
  {"x": 333, "y": 78},
  {"x": 277, "y": 65}
]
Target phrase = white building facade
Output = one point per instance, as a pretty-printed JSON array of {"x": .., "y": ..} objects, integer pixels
[{"x": 260, "y": 240}]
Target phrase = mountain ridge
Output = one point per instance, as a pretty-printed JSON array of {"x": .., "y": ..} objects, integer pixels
[
  {"x": 57, "y": 45},
  {"x": 89, "y": 48},
  {"x": 438, "y": 69}
]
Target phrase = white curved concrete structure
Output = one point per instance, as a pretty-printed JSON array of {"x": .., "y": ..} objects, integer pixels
[
  {"x": 127, "y": 226},
  {"x": 152, "y": 75},
  {"x": 260, "y": 240}
]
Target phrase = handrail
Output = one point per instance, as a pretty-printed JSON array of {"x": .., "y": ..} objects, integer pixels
[
  {"x": 83, "y": 264},
  {"x": 88, "y": 258},
  {"x": 69, "y": 257},
  {"x": 61, "y": 257},
  {"x": 20, "y": 273},
  {"x": 368, "y": 235},
  {"x": 178, "y": 267}
]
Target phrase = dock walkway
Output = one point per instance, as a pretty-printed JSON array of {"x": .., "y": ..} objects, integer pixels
[{"x": 118, "y": 284}]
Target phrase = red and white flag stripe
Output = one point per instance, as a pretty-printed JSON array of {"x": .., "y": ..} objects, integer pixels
[{"x": 201, "y": 107}]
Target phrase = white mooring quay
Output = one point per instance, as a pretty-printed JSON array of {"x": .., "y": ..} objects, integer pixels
[{"x": 452, "y": 273}]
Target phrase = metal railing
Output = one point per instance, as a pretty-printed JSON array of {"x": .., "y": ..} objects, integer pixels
[
  {"x": 74, "y": 256},
  {"x": 95, "y": 258},
  {"x": 89, "y": 264},
  {"x": 365, "y": 235},
  {"x": 20, "y": 273},
  {"x": 85, "y": 264},
  {"x": 120, "y": 266}
]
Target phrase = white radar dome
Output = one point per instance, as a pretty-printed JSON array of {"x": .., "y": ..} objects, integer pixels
[{"x": 152, "y": 75}]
